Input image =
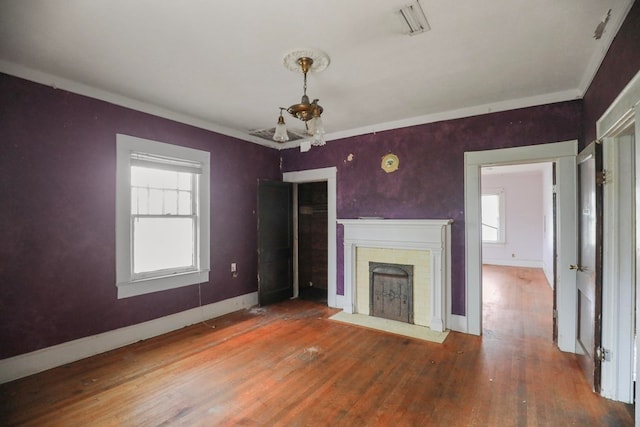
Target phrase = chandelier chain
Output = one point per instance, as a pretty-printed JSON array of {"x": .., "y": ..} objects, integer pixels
[{"x": 305, "y": 84}]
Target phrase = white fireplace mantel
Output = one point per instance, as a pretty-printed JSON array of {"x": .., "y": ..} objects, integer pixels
[{"x": 432, "y": 235}]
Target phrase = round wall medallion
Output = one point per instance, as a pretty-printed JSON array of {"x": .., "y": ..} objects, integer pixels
[
  {"x": 390, "y": 163},
  {"x": 320, "y": 60}
]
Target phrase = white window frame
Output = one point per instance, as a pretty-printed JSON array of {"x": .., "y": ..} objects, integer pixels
[
  {"x": 501, "y": 212},
  {"x": 127, "y": 283}
]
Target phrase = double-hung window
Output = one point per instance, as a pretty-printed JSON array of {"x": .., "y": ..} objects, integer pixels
[
  {"x": 162, "y": 216},
  {"x": 493, "y": 220}
]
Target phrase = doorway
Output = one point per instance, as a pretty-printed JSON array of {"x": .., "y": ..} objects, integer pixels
[
  {"x": 518, "y": 242},
  {"x": 563, "y": 154},
  {"x": 312, "y": 241},
  {"x": 327, "y": 175}
]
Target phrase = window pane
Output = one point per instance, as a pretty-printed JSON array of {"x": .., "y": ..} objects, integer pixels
[
  {"x": 155, "y": 202},
  {"x": 162, "y": 243},
  {"x": 146, "y": 177},
  {"x": 489, "y": 234},
  {"x": 161, "y": 192},
  {"x": 490, "y": 217},
  {"x": 184, "y": 181},
  {"x": 491, "y": 209},
  {"x": 170, "y": 202},
  {"x": 185, "y": 206},
  {"x": 139, "y": 201},
  {"x": 135, "y": 196}
]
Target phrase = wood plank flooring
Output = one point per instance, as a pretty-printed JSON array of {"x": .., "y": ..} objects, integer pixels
[{"x": 288, "y": 365}]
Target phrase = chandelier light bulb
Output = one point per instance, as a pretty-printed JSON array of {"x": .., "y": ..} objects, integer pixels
[{"x": 281, "y": 135}]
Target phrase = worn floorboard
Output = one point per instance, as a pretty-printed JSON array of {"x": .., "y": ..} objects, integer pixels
[{"x": 288, "y": 365}]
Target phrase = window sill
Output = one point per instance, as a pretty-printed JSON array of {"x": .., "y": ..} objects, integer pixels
[
  {"x": 157, "y": 284},
  {"x": 494, "y": 243}
]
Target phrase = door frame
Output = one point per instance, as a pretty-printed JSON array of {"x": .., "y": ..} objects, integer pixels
[
  {"x": 564, "y": 155},
  {"x": 618, "y": 303},
  {"x": 316, "y": 175}
]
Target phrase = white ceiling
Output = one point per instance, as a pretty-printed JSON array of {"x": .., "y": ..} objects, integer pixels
[{"x": 218, "y": 64}]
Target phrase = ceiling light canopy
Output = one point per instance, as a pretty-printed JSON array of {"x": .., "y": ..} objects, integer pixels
[{"x": 310, "y": 113}]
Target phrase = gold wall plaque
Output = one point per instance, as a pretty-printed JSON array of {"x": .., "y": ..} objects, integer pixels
[{"x": 390, "y": 163}]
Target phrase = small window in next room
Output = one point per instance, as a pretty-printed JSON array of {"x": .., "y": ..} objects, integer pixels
[
  {"x": 493, "y": 216},
  {"x": 162, "y": 216}
]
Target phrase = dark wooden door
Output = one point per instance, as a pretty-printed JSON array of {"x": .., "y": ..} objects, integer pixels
[
  {"x": 589, "y": 263},
  {"x": 275, "y": 241}
]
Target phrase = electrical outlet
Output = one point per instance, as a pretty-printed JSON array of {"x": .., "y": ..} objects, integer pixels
[{"x": 234, "y": 269}]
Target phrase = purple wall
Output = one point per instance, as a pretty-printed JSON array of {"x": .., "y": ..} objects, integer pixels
[
  {"x": 619, "y": 66},
  {"x": 57, "y": 187},
  {"x": 430, "y": 181}
]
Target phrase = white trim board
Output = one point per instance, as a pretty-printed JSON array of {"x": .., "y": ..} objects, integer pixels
[
  {"x": 476, "y": 110},
  {"x": 57, "y": 355},
  {"x": 457, "y": 323},
  {"x": 526, "y": 263},
  {"x": 57, "y": 82},
  {"x": 319, "y": 175},
  {"x": 619, "y": 131},
  {"x": 123, "y": 101},
  {"x": 563, "y": 153}
]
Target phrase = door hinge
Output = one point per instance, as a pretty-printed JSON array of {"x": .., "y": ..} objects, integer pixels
[
  {"x": 555, "y": 314},
  {"x": 602, "y": 355},
  {"x": 554, "y": 188},
  {"x": 601, "y": 177}
]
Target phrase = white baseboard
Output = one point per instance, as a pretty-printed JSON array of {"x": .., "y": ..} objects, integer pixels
[
  {"x": 548, "y": 273},
  {"x": 457, "y": 323},
  {"x": 57, "y": 355},
  {"x": 339, "y": 301},
  {"x": 513, "y": 262}
]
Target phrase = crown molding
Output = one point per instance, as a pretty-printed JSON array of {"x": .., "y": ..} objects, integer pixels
[
  {"x": 512, "y": 104},
  {"x": 605, "y": 43},
  {"x": 57, "y": 82}
]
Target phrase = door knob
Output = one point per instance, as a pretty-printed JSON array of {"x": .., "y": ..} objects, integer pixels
[{"x": 575, "y": 267}]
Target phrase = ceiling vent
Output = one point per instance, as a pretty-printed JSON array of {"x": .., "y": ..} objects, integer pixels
[{"x": 414, "y": 19}]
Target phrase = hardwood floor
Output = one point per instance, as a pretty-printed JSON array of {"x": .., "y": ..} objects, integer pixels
[{"x": 287, "y": 364}]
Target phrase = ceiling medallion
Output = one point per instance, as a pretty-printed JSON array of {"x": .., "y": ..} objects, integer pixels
[{"x": 304, "y": 61}]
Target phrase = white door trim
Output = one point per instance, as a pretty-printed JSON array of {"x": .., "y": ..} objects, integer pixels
[
  {"x": 563, "y": 153},
  {"x": 328, "y": 175},
  {"x": 618, "y": 301}
]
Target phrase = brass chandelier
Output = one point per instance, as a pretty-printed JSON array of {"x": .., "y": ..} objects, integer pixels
[{"x": 308, "y": 112}]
